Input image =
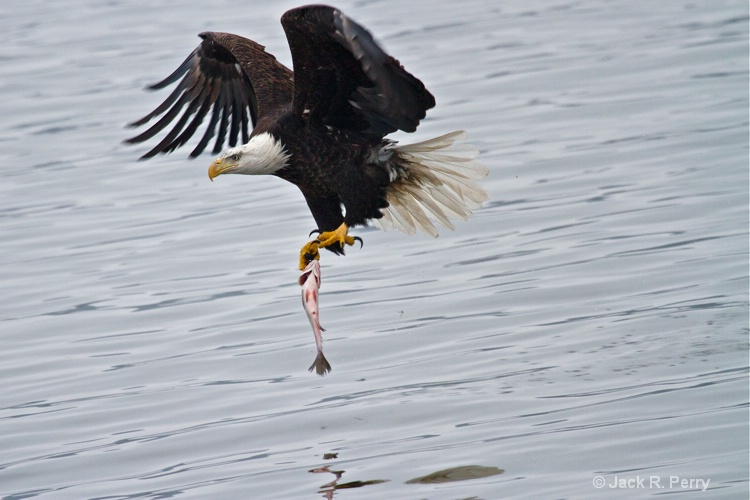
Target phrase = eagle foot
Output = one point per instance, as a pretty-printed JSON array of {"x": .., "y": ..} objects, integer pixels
[
  {"x": 308, "y": 254},
  {"x": 338, "y": 238}
]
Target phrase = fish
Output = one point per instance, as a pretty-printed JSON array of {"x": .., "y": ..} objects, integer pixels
[{"x": 309, "y": 280}]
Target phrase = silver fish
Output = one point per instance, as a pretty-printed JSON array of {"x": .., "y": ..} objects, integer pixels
[{"x": 309, "y": 280}]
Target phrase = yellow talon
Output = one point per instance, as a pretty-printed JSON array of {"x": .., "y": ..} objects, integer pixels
[
  {"x": 308, "y": 253},
  {"x": 339, "y": 237}
]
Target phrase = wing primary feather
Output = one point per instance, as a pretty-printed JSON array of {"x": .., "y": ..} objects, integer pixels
[
  {"x": 189, "y": 96},
  {"x": 200, "y": 114},
  {"x": 245, "y": 103},
  {"x": 226, "y": 109},
  {"x": 169, "y": 137},
  {"x": 234, "y": 132},
  {"x": 183, "y": 93},
  {"x": 195, "y": 106},
  {"x": 211, "y": 128},
  {"x": 253, "y": 104},
  {"x": 181, "y": 70},
  {"x": 171, "y": 99},
  {"x": 162, "y": 123}
]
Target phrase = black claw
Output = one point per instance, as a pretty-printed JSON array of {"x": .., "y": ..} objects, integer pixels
[
  {"x": 361, "y": 243},
  {"x": 313, "y": 232},
  {"x": 309, "y": 257}
]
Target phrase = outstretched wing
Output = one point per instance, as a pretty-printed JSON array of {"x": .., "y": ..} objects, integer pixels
[
  {"x": 344, "y": 79},
  {"x": 229, "y": 77}
]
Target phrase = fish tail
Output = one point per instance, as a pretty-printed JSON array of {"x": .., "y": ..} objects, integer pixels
[{"x": 320, "y": 365}]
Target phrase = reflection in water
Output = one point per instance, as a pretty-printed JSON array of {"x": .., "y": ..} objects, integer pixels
[
  {"x": 453, "y": 474},
  {"x": 450, "y": 475},
  {"x": 328, "y": 488}
]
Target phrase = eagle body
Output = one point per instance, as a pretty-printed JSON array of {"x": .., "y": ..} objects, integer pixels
[
  {"x": 334, "y": 169},
  {"x": 322, "y": 127}
]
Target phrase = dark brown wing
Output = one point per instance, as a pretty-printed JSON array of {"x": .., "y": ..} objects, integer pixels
[
  {"x": 227, "y": 76},
  {"x": 344, "y": 79}
]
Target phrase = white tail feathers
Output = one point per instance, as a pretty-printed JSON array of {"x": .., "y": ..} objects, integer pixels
[{"x": 435, "y": 180}]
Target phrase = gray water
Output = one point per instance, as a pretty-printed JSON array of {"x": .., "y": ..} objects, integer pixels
[{"x": 589, "y": 324}]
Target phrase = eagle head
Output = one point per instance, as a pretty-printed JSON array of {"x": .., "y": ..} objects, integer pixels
[{"x": 263, "y": 154}]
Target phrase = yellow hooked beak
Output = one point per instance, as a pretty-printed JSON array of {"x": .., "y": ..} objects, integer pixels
[{"x": 220, "y": 166}]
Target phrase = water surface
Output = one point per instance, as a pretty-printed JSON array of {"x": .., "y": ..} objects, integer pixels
[{"x": 591, "y": 321}]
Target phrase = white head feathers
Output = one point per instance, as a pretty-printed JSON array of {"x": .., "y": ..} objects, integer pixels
[{"x": 261, "y": 155}]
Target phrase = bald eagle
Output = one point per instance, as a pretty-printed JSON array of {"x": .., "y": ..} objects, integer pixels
[{"x": 322, "y": 127}]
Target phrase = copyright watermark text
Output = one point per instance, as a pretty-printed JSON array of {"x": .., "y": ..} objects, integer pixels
[{"x": 651, "y": 482}]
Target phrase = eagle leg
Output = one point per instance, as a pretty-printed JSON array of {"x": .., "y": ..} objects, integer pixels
[{"x": 335, "y": 239}]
